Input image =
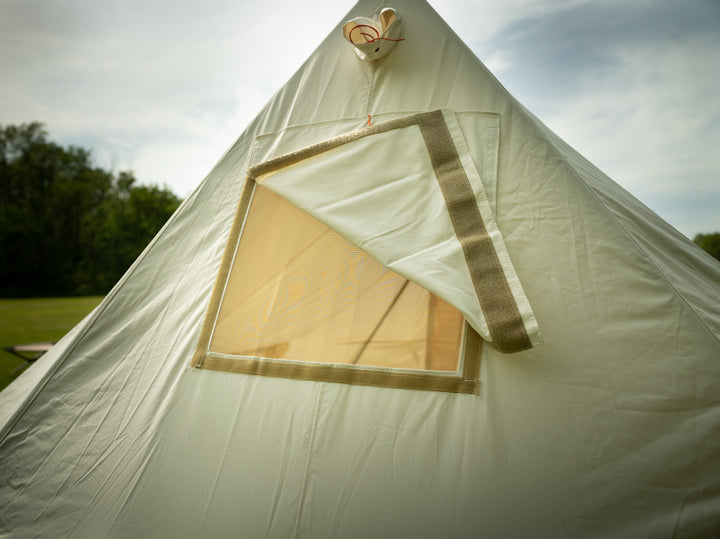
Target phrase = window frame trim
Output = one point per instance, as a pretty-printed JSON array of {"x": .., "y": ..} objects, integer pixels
[{"x": 463, "y": 380}]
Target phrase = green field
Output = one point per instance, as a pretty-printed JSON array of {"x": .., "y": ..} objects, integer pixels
[{"x": 37, "y": 320}]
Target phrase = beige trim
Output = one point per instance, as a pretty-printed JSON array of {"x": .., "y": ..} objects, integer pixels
[
  {"x": 225, "y": 267},
  {"x": 292, "y": 158},
  {"x": 466, "y": 382},
  {"x": 496, "y": 299}
]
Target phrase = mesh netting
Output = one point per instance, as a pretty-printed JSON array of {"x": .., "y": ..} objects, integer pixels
[{"x": 299, "y": 291}]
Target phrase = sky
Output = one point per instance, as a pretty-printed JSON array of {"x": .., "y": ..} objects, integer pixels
[{"x": 163, "y": 88}]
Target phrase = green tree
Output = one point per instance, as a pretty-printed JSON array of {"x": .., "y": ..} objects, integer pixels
[
  {"x": 44, "y": 192},
  {"x": 66, "y": 226},
  {"x": 710, "y": 243},
  {"x": 119, "y": 229}
]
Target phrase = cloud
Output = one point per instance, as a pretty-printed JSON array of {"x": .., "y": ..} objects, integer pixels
[
  {"x": 164, "y": 88},
  {"x": 480, "y": 21},
  {"x": 652, "y": 122},
  {"x": 129, "y": 79},
  {"x": 631, "y": 86}
]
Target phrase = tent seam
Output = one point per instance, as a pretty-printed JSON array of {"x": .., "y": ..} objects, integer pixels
[
  {"x": 95, "y": 315},
  {"x": 550, "y": 140},
  {"x": 90, "y": 322},
  {"x": 311, "y": 446},
  {"x": 539, "y": 125}
]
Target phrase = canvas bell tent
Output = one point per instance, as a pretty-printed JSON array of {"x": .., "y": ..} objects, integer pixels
[{"x": 398, "y": 306}]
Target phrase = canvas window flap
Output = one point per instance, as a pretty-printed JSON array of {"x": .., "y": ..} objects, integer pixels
[{"x": 408, "y": 193}]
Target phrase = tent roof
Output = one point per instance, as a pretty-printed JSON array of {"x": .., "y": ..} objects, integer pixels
[{"x": 609, "y": 428}]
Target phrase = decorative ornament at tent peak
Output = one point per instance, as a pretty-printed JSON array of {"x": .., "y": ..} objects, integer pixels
[{"x": 374, "y": 38}]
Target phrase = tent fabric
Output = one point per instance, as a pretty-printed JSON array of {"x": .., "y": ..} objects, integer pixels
[{"x": 608, "y": 429}]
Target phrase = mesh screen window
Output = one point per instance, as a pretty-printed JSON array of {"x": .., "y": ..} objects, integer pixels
[{"x": 298, "y": 292}]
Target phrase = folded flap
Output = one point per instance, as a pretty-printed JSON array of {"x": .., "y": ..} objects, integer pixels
[{"x": 408, "y": 193}]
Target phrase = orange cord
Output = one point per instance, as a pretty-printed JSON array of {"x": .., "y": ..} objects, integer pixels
[{"x": 370, "y": 38}]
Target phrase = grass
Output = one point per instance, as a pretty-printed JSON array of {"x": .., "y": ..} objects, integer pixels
[{"x": 37, "y": 320}]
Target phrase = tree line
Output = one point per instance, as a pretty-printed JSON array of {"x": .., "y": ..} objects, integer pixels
[
  {"x": 710, "y": 243},
  {"x": 68, "y": 227}
]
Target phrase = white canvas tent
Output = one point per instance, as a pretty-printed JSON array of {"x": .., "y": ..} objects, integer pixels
[{"x": 577, "y": 394}]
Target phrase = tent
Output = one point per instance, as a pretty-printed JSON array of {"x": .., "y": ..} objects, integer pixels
[{"x": 398, "y": 306}]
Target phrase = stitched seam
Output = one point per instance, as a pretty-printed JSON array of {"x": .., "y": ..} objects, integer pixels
[
  {"x": 311, "y": 447},
  {"x": 627, "y": 234}
]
